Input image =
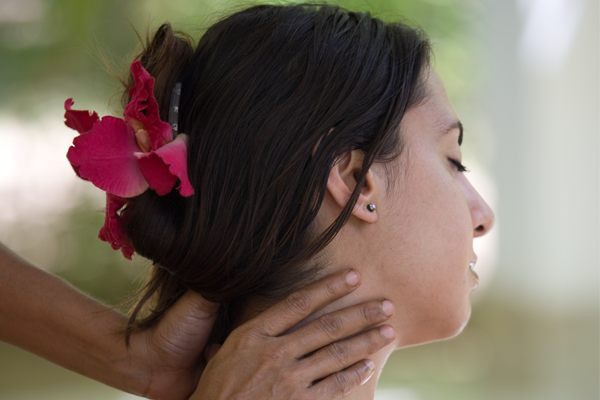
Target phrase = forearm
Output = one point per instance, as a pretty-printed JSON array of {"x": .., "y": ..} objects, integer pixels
[{"x": 46, "y": 316}]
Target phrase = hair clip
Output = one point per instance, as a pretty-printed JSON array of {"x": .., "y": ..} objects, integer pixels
[{"x": 174, "y": 109}]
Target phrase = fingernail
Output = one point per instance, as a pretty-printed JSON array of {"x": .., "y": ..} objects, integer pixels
[
  {"x": 369, "y": 366},
  {"x": 388, "y": 308},
  {"x": 352, "y": 278},
  {"x": 387, "y": 332}
]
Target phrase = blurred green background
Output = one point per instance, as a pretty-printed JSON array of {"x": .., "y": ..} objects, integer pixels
[{"x": 523, "y": 75}]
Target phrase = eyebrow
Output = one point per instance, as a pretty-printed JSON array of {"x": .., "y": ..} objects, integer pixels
[{"x": 456, "y": 125}]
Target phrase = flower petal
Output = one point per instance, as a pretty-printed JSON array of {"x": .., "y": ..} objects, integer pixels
[
  {"x": 113, "y": 230},
  {"x": 163, "y": 167},
  {"x": 156, "y": 173},
  {"x": 142, "y": 111},
  {"x": 105, "y": 156},
  {"x": 81, "y": 121}
]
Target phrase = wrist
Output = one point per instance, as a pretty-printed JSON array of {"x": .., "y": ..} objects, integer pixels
[{"x": 130, "y": 369}]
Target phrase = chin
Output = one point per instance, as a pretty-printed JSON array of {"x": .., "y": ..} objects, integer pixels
[
  {"x": 457, "y": 325},
  {"x": 454, "y": 327},
  {"x": 436, "y": 330},
  {"x": 457, "y": 330}
]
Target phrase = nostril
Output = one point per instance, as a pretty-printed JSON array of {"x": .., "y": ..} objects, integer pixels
[{"x": 480, "y": 229}]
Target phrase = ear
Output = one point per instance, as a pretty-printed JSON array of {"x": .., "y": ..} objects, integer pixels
[{"x": 342, "y": 181}]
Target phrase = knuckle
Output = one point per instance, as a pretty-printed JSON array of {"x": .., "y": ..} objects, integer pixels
[
  {"x": 285, "y": 349},
  {"x": 244, "y": 339},
  {"x": 274, "y": 352},
  {"x": 356, "y": 379},
  {"x": 330, "y": 325},
  {"x": 288, "y": 377},
  {"x": 267, "y": 329},
  {"x": 341, "y": 386},
  {"x": 273, "y": 356},
  {"x": 330, "y": 289},
  {"x": 298, "y": 303},
  {"x": 367, "y": 314},
  {"x": 250, "y": 330},
  {"x": 372, "y": 342},
  {"x": 339, "y": 352}
]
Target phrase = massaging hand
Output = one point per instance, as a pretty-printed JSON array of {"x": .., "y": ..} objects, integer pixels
[
  {"x": 171, "y": 352},
  {"x": 258, "y": 362},
  {"x": 46, "y": 316}
]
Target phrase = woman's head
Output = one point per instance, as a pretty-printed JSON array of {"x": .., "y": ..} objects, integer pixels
[
  {"x": 417, "y": 247},
  {"x": 273, "y": 97}
]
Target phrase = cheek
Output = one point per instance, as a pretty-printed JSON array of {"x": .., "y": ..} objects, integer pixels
[
  {"x": 430, "y": 251},
  {"x": 430, "y": 220}
]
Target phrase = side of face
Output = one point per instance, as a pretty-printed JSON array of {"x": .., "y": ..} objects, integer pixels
[{"x": 417, "y": 249}]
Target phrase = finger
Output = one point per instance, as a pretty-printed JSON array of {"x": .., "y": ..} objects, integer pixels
[
  {"x": 185, "y": 328},
  {"x": 344, "y": 382},
  {"x": 299, "y": 305},
  {"x": 338, "y": 325},
  {"x": 193, "y": 305},
  {"x": 339, "y": 355}
]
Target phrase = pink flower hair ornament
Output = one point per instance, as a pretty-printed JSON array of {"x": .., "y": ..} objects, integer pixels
[{"x": 125, "y": 157}]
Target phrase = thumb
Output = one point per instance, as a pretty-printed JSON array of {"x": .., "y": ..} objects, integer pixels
[{"x": 185, "y": 328}]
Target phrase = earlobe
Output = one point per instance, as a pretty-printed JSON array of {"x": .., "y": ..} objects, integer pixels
[{"x": 342, "y": 181}]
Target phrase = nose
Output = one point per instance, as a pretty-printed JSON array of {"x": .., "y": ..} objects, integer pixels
[{"x": 481, "y": 214}]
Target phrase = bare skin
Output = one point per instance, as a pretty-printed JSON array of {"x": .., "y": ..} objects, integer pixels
[
  {"x": 263, "y": 340},
  {"x": 46, "y": 316},
  {"x": 416, "y": 247}
]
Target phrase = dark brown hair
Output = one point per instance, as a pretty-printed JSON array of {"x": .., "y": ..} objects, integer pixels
[{"x": 272, "y": 97}]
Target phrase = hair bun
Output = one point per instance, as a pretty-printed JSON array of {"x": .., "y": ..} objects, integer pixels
[{"x": 164, "y": 57}]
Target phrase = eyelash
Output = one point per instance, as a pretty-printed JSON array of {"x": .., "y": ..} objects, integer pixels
[{"x": 459, "y": 166}]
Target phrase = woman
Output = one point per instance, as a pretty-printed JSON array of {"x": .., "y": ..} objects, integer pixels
[{"x": 315, "y": 137}]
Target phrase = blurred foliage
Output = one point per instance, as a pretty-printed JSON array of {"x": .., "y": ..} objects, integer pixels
[
  {"x": 53, "y": 48},
  {"x": 92, "y": 265},
  {"x": 67, "y": 245}
]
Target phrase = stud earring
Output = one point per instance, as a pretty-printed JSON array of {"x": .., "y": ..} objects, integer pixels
[{"x": 371, "y": 207}]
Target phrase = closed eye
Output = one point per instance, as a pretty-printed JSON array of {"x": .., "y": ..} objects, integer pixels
[{"x": 459, "y": 166}]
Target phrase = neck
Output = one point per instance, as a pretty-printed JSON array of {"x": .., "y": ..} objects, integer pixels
[
  {"x": 339, "y": 256},
  {"x": 366, "y": 391}
]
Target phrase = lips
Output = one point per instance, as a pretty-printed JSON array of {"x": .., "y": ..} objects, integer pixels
[{"x": 472, "y": 268}]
